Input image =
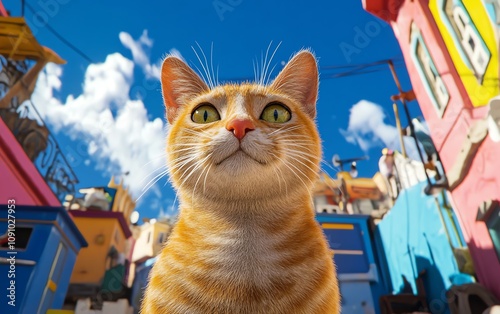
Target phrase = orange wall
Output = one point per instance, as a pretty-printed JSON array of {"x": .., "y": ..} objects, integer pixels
[{"x": 90, "y": 264}]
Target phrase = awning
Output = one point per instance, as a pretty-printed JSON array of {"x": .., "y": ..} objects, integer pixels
[{"x": 18, "y": 43}]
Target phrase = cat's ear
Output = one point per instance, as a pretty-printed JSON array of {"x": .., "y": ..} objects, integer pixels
[
  {"x": 179, "y": 84},
  {"x": 299, "y": 79}
]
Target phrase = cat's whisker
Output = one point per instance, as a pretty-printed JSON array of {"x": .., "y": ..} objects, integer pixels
[
  {"x": 262, "y": 67},
  {"x": 285, "y": 129},
  {"x": 290, "y": 136},
  {"x": 293, "y": 128},
  {"x": 269, "y": 74},
  {"x": 205, "y": 181},
  {"x": 149, "y": 184},
  {"x": 181, "y": 160},
  {"x": 184, "y": 144},
  {"x": 161, "y": 175},
  {"x": 179, "y": 165},
  {"x": 201, "y": 73},
  {"x": 199, "y": 177},
  {"x": 330, "y": 166},
  {"x": 303, "y": 143},
  {"x": 153, "y": 172},
  {"x": 264, "y": 64},
  {"x": 205, "y": 66},
  {"x": 196, "y": 166},
  {"x": 295, "y": 156},
  {"x": 178, "y": 161},
  {"x": 299, "y": 140},
  {"x": 278, "y": 130},
  {"x": 297, "y": 136},
  {"x": 254, "y": 71},
  {"x": 280, "y": 177},
  {"x": 217, "y": 75},
  {"x": 295, "y": 173},
  {"x": 198, "y": 133},
  {"x": 306, "y": 150},
  {"x": 312, "y": 155},
  {"x": 185, "y": 149},
  {"x": 163, "y": 155},
  {"x": 266, "y": 74},
  {"x": 212, "y": 64},
  {"x": 257, "y": 72}
]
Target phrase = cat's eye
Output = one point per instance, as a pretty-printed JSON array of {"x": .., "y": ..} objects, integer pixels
[
  {"x": 205, "y": 113},
  {"x": 276, "y": 112}
]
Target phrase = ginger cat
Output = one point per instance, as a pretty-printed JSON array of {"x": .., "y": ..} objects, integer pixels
[{"x": 243, "y": 159}]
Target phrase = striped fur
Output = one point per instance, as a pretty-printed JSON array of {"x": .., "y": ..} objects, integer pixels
[{"x": 246, "y": 240}]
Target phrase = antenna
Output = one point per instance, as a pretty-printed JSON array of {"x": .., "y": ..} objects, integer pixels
[{"x": 337, "y": 162}]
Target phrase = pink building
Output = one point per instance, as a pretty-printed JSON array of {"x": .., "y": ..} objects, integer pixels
[{"x": 451, "y": 53}]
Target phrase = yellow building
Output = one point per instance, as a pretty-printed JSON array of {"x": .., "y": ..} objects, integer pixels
[
  {"x": 103, "y": 218},
  {"x": 107, "y": 234},
  {"x": 150, "y": 241}
]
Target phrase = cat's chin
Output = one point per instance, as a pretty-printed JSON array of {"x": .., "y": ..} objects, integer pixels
[{"x": 239, "y": 159}]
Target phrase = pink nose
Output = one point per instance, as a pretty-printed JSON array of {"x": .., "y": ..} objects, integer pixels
[{"x": 240, "y": 127}]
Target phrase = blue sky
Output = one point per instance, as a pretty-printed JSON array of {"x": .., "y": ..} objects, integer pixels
[{"x": 108, "y": 114}]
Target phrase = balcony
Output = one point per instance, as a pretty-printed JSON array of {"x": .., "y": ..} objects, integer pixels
[{"x": 24, "y": 121}]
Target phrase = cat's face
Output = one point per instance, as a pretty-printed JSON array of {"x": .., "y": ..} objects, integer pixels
[{"x": 242, "y": 141}]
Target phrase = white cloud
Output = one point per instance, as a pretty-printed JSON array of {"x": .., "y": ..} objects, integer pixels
[
  {"x": 368, "y": 129},
  {"x": 166, "y": 209},
  {"x": 139, "y": 49},
  {"x": 119, "y": 134}
]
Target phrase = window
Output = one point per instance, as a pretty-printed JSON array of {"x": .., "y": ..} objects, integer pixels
[
  {"x": 20, "y": 242},
  {"x": 427, "y": 70},
  {"x": 161, "y": 237},
  {"x": 468, "y": 40},
  {"x": 493, "y": 225}
]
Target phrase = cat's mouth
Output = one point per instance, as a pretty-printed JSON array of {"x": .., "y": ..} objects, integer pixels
[{"x": 239, "y": 152}]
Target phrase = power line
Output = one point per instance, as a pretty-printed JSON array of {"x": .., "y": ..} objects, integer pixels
[
  {"x": 326, "y": 73},
  {"x": 60, "y": 37},
  {"x": 350, "y": 70},
  {"x": 374, "y": 63}
]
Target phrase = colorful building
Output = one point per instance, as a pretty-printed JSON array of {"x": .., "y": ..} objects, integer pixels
[
  {"x": 149, "y": 240},
  {"x": 35, "y": 231},
  {"x": 359, "y": 276},
  {"x": 44, "y": 244},
  {"x": 101, "y": 270},
  {"x": 351, "y": 195},
  {"x": 34, "y": 170},
  {"x": 451, "y": 53}
]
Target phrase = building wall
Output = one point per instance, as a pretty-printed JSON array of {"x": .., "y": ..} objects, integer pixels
[
  {"x": 412, "y": 238},
  {"x": 19, "y": 178},
  {"x": 148, "y": 244},
  {"x": 453, "y": 98},
  {"x": 91, "y": 263}
]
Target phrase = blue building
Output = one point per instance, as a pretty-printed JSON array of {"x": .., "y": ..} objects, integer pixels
[{"x": 38, "y": 249}]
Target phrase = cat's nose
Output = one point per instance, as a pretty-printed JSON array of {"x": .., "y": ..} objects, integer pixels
[{"x": 240, "y": 127}]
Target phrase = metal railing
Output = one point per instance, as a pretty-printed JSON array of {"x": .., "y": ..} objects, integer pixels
[{"x": 32, "y": 133}]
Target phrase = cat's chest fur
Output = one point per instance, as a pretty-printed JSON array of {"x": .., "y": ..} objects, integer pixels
[{"x": 250, "y": 263}]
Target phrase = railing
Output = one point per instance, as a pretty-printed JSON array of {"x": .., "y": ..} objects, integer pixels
[{"x": 27, "y": 125}]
